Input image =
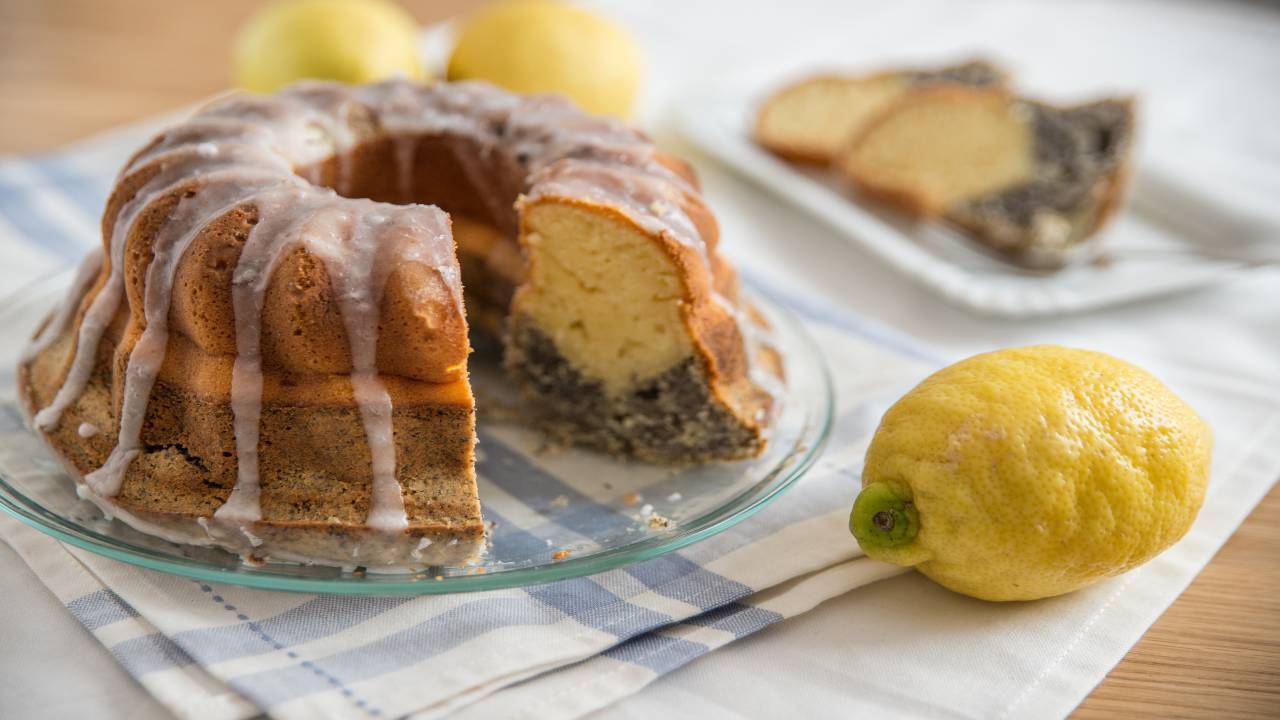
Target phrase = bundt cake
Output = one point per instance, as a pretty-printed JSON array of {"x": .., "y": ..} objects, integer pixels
[
  {"x": 811, "y": 121},
  {"x": 270, "y": 353},
  {"x": 1029, "y": 180}
]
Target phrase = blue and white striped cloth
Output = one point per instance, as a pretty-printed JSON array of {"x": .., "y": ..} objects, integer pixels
[{"x": 554, "y": 650}]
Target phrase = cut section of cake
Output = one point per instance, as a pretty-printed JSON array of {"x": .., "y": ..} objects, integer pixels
[
  {"x": 812, "y": 120},
  {"x": 270, "y": 352},
  {"x": 1032, "y": 181},
  {"x": 634, "y": 346}
]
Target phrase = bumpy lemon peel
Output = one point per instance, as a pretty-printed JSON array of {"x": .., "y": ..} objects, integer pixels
[{"x": 1031, "y": 472}]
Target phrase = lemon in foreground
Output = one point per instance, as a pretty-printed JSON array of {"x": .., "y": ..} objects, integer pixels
[
  {"x": 537, "y": 46},
  {"x": 352, "y": 41},
  {"x": 1031, "y": 472}
]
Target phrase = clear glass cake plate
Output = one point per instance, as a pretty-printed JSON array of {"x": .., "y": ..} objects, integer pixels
[{"x": 556, "y": 512}]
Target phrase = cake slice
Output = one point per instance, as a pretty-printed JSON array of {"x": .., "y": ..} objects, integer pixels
[
  {"x": 1029, "y": 180},
  {"x": 631, "y": 341},
  {"x": 810, "y": 121}
]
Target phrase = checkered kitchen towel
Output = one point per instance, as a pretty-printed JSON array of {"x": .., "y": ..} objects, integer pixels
[{"x": 554, "y": 650}]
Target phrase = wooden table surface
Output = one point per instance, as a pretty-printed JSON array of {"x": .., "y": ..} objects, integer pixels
[{"x": 72, "y": 67}]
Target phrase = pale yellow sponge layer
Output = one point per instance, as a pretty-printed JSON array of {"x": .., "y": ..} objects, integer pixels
[{"x": 606, "y": 294}]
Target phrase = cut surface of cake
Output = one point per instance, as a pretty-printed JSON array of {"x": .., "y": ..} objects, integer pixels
[
  {"x": 269, "y": 353},
  {"x": 812, "y": 120},
  {"x": 1029, "y": 180}
]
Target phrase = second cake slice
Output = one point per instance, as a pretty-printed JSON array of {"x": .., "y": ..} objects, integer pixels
[{"x": 1029, "y": 180}]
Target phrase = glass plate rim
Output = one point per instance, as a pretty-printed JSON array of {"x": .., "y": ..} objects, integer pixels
[{"x": 733, "y": 511}]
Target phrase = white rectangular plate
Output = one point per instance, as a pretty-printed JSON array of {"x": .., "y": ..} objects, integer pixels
[{"x": 1143, "y": 257}]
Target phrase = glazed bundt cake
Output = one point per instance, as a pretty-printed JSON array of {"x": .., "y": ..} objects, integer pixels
[
  {"x": 1029, "y": 180},
  {"x": 270, "y": 353},
  {"x": 812, "y": 120}
]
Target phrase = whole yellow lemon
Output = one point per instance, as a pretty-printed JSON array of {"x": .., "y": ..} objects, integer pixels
[
  {"x": 1031, "y": 472},
  {"x": 354, "y": 41},
  {"x": 533, "y": 46}
]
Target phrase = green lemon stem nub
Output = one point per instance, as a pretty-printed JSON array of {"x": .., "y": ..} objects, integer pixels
[{"x": 883, "y": 519}]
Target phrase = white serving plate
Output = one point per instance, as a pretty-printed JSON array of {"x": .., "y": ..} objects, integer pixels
[{"x": 1142, "y": 257}]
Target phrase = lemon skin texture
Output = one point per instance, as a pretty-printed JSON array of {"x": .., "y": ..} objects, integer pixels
[
  {"x": 536, "y": 46},
  {"x": 1032, "y": 472},
  {"x": 352, "y": 41}
]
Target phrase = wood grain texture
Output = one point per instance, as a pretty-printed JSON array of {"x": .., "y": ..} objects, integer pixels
[
  {"x": 69, "y": 68},
  {"x": 1216, "y": 652},
  {"x": 72, "y": 67}
]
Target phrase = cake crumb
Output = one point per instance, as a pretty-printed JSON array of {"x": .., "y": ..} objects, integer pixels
[
  {"x": 675, "y": 497},
  {"x": 560, "y": 501},
  {"x": 658, "y": 522},
  {"x": 632, "y": 498},
  {"x": 439, "y": 578},
  {"x": 561, "y": 554}
]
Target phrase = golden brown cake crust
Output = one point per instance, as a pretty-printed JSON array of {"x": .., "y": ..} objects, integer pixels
[{"x": 315, "y": 473}]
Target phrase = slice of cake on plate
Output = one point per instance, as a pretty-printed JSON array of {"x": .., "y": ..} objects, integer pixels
[
  {"x": 1032, "y": 181},
  {"x": 811, "y": 121}
]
